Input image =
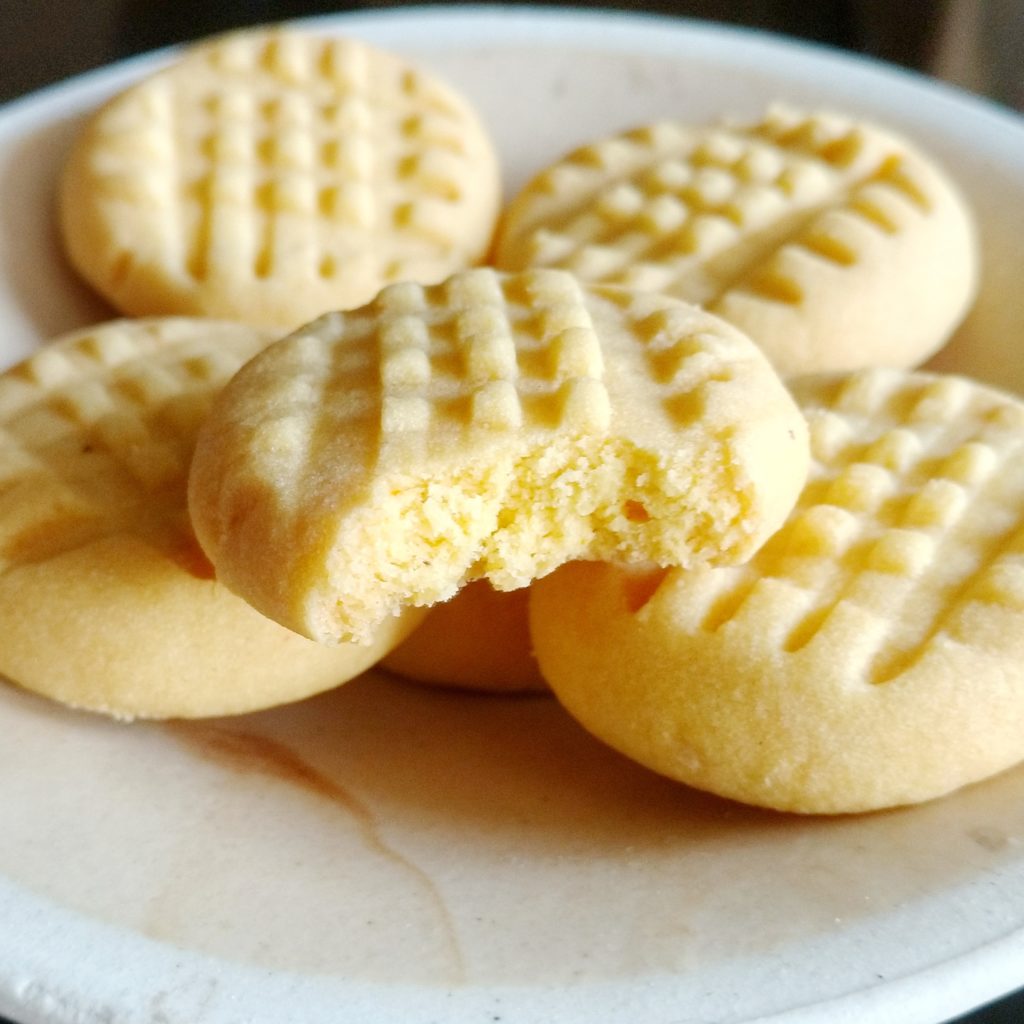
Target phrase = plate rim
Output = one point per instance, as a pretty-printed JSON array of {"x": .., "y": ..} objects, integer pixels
[{"x": 583, "y": 24}]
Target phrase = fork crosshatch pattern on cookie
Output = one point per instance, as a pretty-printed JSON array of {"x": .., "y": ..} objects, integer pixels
[
  {"x": 493, "y": 353},
  {"x": 489, "y": 426},
  {"x": 914, "y": 520},
  {"x": 868, "y": 655},
  {"x": 270, "y": 176},
  {"x": 107, "y": 602},
  {"x": 815, "y": 234},
  {"x": 97, "y": 434}
]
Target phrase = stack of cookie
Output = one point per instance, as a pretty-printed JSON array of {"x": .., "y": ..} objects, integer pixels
[{"x": 804, "y": 592}]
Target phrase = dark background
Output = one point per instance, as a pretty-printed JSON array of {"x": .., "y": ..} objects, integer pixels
[{"x": 976, "y": 44}]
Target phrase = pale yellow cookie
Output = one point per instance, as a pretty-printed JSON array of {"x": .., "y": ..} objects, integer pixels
[
  {"x": 106, "y": 601},
  {"x": 870, "y": 655},
  {"x": 477, "y": 640},
  {"x": 489, "y": 427},
  {"x": 833, "y": 243},
  {"x": 268, "y": 176}
]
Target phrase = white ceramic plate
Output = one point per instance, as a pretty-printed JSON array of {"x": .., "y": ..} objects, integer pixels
[{"x": 386, "y": 854}]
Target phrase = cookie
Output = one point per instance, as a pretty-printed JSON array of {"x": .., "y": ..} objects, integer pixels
[
  {"x": 106, "y": 601},
  {"x": 477, "y": 640},
  {"x": 870, "y": 655},
  {"x": 268, "y": 176},
  {"x": 490, "y": 427},
  {"x": 833, "y": 243}
]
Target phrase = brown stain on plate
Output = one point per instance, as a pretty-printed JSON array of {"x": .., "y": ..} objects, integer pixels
[{"x": 245, "y": 752}]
